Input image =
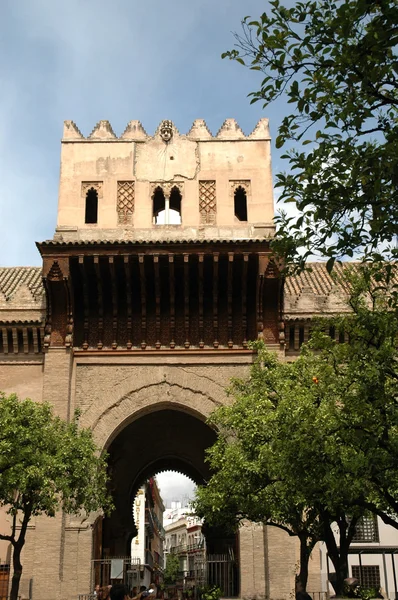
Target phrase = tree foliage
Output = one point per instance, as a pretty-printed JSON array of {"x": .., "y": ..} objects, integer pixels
[
  {"x": 313, "y": 443},
  {"x": 336, "y": 64},
  {"x": 46, "y": 464},
  {"x": 171, "y": 569}
]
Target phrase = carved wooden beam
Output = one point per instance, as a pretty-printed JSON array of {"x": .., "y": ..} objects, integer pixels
[
  {"x": 5, "y": 339},
  {"x": 263, "y": 261},
  {"x": 215, "y": 299},
  {"x": 244, "y": 298},
  {"x": 47, "y": 327},
  {"x": 281, "y": 322},
  {"x": 69, "y": 311},
  {"x": 157, "y": 300},
  {"x": 201, "y": 340},
  {"x": 85, "y": 302},
  {"x": 186, "y": 300},
  {"x": 42, "y": 333},
  {"x": 25, "y": 340},
  {"x": 55, "y": 280},
  {"x": 141, "y": 258},
  {"x": 114, "y": 302},
  {"x": 100, "y": 296},
  {"x": 229, "y": 295},
  {"x": 35, "y": 340},
  {"x": 128, "y": 301},
  {"x": 172, "y": 301},
  {"x": 15, "y": 340}
]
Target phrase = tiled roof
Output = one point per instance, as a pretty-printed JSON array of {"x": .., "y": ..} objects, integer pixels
[
  {"x": 317, "y": 279},
  {"x": 12, "y": 277},
  {"x": 151, "y": 242}
]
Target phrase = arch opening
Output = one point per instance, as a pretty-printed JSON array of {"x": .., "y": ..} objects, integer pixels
[
  {"x": 159, "y": 205},
  {"x": 163, "y": 440},
  {"x": 240, "y": 204},
  {"x": 91, "y": 212},
  {"x": 167, "y": 208}
]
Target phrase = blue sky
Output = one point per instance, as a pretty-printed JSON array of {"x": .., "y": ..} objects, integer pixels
[{"x": 88, "y": 60}]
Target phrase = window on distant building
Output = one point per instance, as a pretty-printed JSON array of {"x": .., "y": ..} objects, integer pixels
[
  {"x": 366, "y": 530},
  {"x": 367, "y": 575}
]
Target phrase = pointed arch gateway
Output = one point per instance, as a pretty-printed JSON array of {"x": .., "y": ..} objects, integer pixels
[
  {"x": 160, "y": 425},
  {"x": 157, "y": 427}
]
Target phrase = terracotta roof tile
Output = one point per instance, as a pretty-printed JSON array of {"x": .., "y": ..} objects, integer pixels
[
  {"x": 12, "y": 277},
  {"x": 150, "y": 241},
  {"x": 317, "y": 279}
]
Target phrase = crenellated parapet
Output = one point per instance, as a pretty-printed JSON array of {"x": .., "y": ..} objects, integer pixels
[
  {"x": 169, "y": 185},
  {"x": 134, "y": 131}
]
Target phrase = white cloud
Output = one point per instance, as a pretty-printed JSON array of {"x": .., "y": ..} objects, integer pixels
[{"x": 175, "y": 486}]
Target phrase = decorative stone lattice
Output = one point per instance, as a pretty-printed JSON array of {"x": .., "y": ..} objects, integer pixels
[
  {"x": 207, "y": 202},
  {"x": 125, "y": 201},
  {"x": 95, "y": 185}
]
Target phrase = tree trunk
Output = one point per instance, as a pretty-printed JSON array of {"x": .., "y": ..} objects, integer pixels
[
  {"x": 336, "y": 555},
  {"x": 339, "y": 555},
  {"x": 302, "y": 576},
  {"x": 341, "y": 567},
  {"x": 17, "y": 571},
  {"x": 17, "y": 549}
]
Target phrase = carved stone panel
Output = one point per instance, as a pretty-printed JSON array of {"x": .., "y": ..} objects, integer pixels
[
  {"x": 207, "y": 202},
  {"x": 167, "y": 187},
  {"x": 125, "y": 201},
  {"x": 236, "y": 183},
  {"x": 95, "y": 185}
]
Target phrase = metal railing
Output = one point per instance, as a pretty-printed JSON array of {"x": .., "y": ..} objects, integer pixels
[
  {"x": 148, "y": 558},
  {"x": 182, "y": 548},
  {"x": 101, "y": 571},
  {"x": 152, "y": 520}
]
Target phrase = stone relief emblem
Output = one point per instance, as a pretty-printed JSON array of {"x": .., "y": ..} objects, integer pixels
[{"x": 166, "y": 130}]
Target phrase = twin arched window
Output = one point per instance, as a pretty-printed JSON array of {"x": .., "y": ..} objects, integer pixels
[{"x": 166, "y": 209}]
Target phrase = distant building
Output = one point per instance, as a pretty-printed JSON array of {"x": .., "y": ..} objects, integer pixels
[
  {"x": 184, "y": 538},
  {"x": 147, "y": 545},
  {"x": 371, "y": 557},
  {"x": 176, "y": 511}
]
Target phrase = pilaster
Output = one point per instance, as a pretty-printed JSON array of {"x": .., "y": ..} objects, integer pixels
[{"x": 253, "y": 561}]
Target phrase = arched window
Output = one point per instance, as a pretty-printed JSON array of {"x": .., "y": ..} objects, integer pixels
[
  {"x": 91, "y": 215},
  {"x": 240, "y": 204},
  {"x": 159, "y": 206},
  {"x": 175, "y": 207},
  {"x": 167, "y": 209}
]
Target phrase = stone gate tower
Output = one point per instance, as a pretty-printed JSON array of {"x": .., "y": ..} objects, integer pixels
[{"x": 158, "y": 275}]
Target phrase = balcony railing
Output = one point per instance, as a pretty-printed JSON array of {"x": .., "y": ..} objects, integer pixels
[
  {"x": 183, "y": 548},
  {"x": 152, "y": 520},
  {"x": 149, "y": 558}
]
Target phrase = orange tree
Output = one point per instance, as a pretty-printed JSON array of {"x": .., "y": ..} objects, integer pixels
[
  {"x": 313, "y": 443},
  {"x": 46, "y": 464}
]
